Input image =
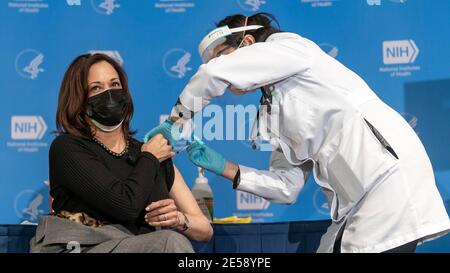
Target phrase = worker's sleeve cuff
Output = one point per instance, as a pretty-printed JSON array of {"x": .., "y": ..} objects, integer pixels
[
  {"x": 247, "y": 178},
  {"x": 237, "y": 179}
]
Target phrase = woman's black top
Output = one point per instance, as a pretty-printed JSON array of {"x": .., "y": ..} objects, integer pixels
[{"x": 84, "y": 177}]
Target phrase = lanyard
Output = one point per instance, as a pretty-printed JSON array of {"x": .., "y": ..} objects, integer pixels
[{"x": 265, "y": 100}]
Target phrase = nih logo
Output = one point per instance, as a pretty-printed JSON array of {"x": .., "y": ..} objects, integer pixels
[
  {"x": 27, "y": 127},
  {"x": 400, "y": 52},
  {"x": 248, "y": 201}
]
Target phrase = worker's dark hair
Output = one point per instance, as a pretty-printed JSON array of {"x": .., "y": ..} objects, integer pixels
[{"x": 238, "y": 20}]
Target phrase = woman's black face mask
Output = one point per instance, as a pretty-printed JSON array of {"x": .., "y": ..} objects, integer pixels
[{"x": 109, "y": 107}]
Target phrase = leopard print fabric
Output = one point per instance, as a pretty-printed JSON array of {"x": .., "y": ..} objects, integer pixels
[{"x": 81, "y": 217}]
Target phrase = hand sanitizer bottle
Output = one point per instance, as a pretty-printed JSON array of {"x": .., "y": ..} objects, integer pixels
[{"x": 203, "y": 194}]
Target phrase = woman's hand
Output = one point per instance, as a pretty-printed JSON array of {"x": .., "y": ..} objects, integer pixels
[
  {"x": 158, "y": 147},
  {"x": 165, "y": 214}
]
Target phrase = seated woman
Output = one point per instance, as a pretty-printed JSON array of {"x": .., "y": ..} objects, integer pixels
[{"x": 112, "y": 193}]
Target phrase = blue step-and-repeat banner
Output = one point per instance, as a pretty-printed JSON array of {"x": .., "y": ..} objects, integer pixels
[{"x": 400, "y": 47}]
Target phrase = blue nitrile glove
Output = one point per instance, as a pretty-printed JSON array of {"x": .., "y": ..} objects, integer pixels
[
  {"x": 205, "y": 157},
  {"x": 168, "y": 130}
]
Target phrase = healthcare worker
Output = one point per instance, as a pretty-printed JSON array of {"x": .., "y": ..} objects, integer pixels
[{"x": 370, "y": 164}]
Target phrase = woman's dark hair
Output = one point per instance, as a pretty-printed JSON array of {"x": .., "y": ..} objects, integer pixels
[
  {"x": 238, "y": 20},
  {"x": 73, "y": 96}
]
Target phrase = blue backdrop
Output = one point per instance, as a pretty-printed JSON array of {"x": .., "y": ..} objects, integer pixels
[{"x": 400, "y": 47}]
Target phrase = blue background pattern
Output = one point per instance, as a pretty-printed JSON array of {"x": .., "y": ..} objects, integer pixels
[{"x": 150, "y": 36}]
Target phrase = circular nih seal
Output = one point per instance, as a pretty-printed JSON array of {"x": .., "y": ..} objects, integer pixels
[
  {"x": 330, "y": 49},
  {"x": 250, "y": 5},
  {"x": 27, "y": 205},
  {"x": 104, "y": 7},
  {"x": 28, "y": 63},
  {"x": 175, "y": 63}
]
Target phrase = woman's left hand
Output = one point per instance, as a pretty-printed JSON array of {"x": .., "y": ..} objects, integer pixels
[{"x": 163, "y": 213}]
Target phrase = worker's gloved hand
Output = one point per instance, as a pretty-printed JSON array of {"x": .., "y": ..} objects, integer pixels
[
  {"x": 205, "y": 157},
  {"x": 170, "y": 131}
]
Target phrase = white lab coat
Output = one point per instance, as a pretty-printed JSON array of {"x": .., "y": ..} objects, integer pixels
[{"x": 384, "y": 202}]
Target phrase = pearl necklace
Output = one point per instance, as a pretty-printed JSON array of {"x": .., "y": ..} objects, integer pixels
[{"x": 112, "y": 152}]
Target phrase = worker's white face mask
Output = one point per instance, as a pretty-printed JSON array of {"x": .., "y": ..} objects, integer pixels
[{"x": 217, "y": 37}]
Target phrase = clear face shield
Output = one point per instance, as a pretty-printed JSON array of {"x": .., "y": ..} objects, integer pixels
[
  {"x": 217, "y": 37},
  {"x": 206, "y": 51}
]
